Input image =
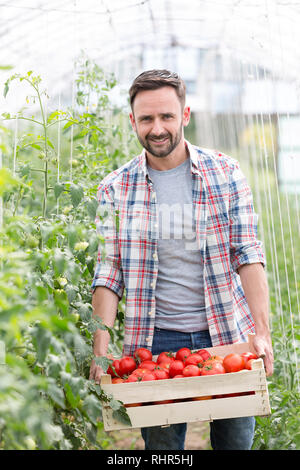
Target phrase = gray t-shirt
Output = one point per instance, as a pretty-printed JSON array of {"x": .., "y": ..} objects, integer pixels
[{"x": 179, "y": 290}]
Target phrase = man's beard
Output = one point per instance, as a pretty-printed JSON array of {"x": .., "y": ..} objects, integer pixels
[{"x": 167, "y": 148}]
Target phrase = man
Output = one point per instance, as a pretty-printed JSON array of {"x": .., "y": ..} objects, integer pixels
[{"x": 180, "y": 236}]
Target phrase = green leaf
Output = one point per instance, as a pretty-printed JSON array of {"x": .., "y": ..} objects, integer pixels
[
  {"x": 72, "y": 399},
  {"x": 92, "y": 407},
  {"x": 56, "y": 394},
  {"x": 76, "y": 193},
  {"x": 91, "y": 206},
  {"x": 42, "y": 339},
  {"x": 59, "y": 262},
  {"x": 71, "y": 292},
  {"x": 115, "y": 404},
  {"x": 35, "y": 146},
  {"x": 50, "y": 143},
  {"x": 122, "y": 416},
  {"x": 6, "y": 88},
  {"x": 103, "y": 362},
  {"x": 7, "y": 180},
  {"x": 72, "y": 235},
  {"x": 73, "y": 387},
  {"x": 84, "y": 310},
  {"x": 54, "y": 365},
  {"x": 58, "y": 189}
]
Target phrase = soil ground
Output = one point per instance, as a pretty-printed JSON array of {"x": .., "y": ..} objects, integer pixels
[{"x": 197, "y": 438}]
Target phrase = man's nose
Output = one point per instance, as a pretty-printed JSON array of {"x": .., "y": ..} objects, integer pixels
[{"x": 157, "y": 128}]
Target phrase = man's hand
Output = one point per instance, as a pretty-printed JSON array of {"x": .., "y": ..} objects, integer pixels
[
  {"x": 96, "y": 372},
  {"x": 263, "y": 348},
  {"x": 255, "y": 285}
]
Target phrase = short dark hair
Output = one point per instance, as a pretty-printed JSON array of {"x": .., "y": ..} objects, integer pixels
[{"x": 154, "y": 79}]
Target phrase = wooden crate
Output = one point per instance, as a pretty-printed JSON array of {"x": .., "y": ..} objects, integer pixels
[{"x": 186, "y": 410}]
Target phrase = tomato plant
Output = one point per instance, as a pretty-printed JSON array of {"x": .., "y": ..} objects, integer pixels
[{"x": 49, "y": 234}]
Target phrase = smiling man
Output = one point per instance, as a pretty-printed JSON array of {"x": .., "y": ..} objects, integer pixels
[{"x": 181, "y": 237}]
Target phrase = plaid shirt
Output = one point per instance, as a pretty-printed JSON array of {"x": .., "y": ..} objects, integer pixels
[{"x": 226, "y": 232}]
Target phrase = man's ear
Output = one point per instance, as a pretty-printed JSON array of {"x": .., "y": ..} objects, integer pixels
[
  {"x": 186, "y": 116},
  {"x": 132, "y": 120}
]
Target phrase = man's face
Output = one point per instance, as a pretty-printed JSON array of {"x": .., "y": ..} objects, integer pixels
[{"x": 158, "y": 120}]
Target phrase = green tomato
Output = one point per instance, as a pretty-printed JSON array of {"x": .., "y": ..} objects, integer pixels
[{"x": 30, "y": 443}]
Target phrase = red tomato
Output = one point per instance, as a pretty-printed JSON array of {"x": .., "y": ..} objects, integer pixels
[
  {"x": 195, "y": 359},
  {"x": 165, "y": 357},
  {"x": 191, "y": 371},
  {"x": 176, "y": 367},
  {"x": 161, "y": 374},
  {"x": 127, "y": 365},
  {"x": 117, "y": 380},
  {"x": 132, "y": 378},
  {"x": 214, "y": 359},
  {"x": 164, "y": 365},
  {"x": 249, "y": 364},
  {"x": 178, "y": 376},
  {"x": 148, "y": 376},
  {"x": 139, "y": 372},
  {"x": 247, "y": 356},
  {"x": 142, "y": 354},
  {"x": 182, "y": 354},
  {"x": 204, "y": 353},
  {"x": 233, "y": 362},
  {"x": 150, "y": 365},
  {"x": 212, "y": 369},
  {"x": 114, "y": 368}
]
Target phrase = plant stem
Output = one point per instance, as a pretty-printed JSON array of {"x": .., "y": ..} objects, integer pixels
[{"x": 46, "y": 154}]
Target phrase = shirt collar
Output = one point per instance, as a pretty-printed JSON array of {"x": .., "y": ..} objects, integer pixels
[{"x": 193, "y": 157}]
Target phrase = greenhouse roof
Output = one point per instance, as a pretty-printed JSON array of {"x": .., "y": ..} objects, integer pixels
[{"x": 128, "y": 36}]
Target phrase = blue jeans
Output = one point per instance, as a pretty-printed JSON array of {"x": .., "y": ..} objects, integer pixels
[{"x": 225, "y": 434}]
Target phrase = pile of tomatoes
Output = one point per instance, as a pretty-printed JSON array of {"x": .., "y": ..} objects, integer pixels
[{"x": 184, "y": 363}]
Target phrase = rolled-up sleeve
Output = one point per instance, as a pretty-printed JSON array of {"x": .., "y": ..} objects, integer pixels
[
  {"x": 245, "y": 248},
  {"x": 108, "y": 270}
]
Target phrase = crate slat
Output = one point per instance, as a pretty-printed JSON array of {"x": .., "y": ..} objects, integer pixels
[
  {"x": 242, "y": 381},
  {"x": 206, "y": 410}
]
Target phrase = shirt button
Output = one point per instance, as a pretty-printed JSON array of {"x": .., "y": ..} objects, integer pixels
[
  {"x": 150, "y": 313},
  {"x": 155, "y": 256},
  {"x": 152, "y": 284},
  {"x": 148, "y": 339},
  {"x": 153, "y": 195}
]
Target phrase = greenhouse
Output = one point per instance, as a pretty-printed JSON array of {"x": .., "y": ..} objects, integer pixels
[{"x": 84, "y": 297}]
